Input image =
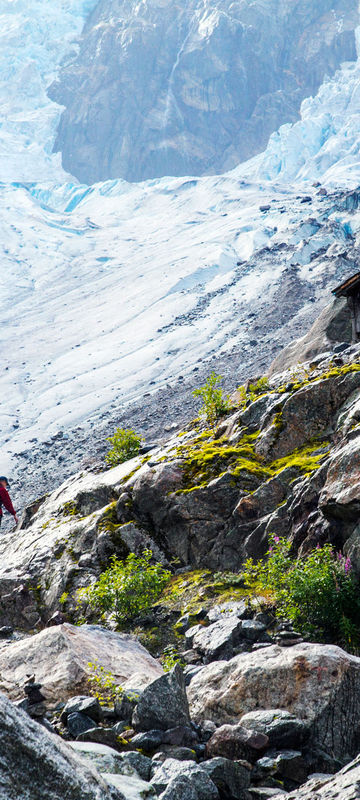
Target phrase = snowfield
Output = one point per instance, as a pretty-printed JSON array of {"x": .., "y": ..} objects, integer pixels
[{"x": 108, "y": 290}]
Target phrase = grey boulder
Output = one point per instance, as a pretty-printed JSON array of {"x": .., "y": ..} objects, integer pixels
[
  {"x": 35, "y": 765},
  {"x": 182, "y": 787},
  {"x": 317, "y": 683},
  {"x": 79, "y": 723},
  {"x": 84, "y": 705},
  {"x": 219, "y": 639},
  {"x": 108, "y": 760},
  {"x": 163, "y": 704},
  {"x": 232, "y": 778},
  {"x": 166, "y": 774},
  {"x": 282, "y": 728},
  {"x": 234, "y": 741}
]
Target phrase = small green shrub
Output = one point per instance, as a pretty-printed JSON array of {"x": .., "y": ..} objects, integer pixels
[
  {"x": 127, "y": 587},
  {"x": 103, "y": 684},
  {"x": 214, "y": 402},
  {"x": 247, "y": 394},
  {"x": 261, "y": 386},
  {"x": 125, "y": 445},
  {"x": 318, "y": 592},
  {"x": 170, "y": 658}
]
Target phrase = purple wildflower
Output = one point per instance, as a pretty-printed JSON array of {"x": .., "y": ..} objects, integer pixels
[
  {"x": 340, "y": 556},
  {"x": 276, "y": 539},
  {"x": 347, "y": 567}
]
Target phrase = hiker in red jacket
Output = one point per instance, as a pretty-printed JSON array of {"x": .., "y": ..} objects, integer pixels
[{"x": 5, "y": 499}]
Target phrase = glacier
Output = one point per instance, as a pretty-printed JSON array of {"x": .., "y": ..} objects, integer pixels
[
  {"x": 111, "y": 289},
  {"x": 325, "y": 144}
]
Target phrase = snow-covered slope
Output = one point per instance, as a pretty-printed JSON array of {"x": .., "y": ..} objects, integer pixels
[{"x": 110, "y": 290}]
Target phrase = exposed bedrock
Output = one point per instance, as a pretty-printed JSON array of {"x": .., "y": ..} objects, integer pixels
[
  {"x": 284, "y": 460},
  {"x": 162, "y": 89}
]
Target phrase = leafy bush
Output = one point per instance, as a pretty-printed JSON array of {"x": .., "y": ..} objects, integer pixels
[
  {"x": 127, "y": 587},
  {"x": 125, "y": 445},
  {"x": 318, "y": 593},
  {"x": 103, "y": 684},
  {"x": 214, "y": 402},
  {"x": 250, "y": 392},
  {"x": 170, "y": 658}
]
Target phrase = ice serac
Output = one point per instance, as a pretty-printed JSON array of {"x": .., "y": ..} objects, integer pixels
[
  {"x": 195, "y": 88},
  {"x": 35, "y": 38}
]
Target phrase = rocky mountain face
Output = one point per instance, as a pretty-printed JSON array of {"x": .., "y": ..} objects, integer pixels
[
  {"x": 255, "y": 712},
  {"x": 162, "y": 89},
  {"x": 284, "y": 460}
]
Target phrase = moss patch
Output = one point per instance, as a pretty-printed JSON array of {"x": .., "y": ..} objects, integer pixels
[
  {"x": 198, "y": 590},
  {"x": 306, "y": 459},
  {"x": 206, "y": 458},
  {"x": 69, "y": 509}
]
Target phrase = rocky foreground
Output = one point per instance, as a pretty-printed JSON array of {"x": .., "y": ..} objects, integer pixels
[{"x": 254, "y": 712}]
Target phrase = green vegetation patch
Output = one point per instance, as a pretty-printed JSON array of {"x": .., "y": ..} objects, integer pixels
[
  {"x": 69, "y": 509},
  {"x": 206, "y": 458},
  {"x": 214, "y": 403},
  {"x": 125, "y": 445},
  {"x": 317, "y": 592},
  {"x": 194, "y": 591},
  {"x": 306, "y": 459},
  {"x": 127, "y": 587},
  {"x": 307, "y": 378}
]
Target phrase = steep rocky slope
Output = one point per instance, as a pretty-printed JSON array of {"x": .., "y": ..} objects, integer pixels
[
  {"x": 284, "y": 460},
  {"x": 193, "y": 89},
  {"x": 257, "y": 710}
]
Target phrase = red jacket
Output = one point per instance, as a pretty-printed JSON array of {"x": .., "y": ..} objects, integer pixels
[{"x": 5, "y": 501}]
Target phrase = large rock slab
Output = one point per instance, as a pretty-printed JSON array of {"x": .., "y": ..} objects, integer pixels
[
  {"x": 307, "y": 414},
  {"x": 317, "y": 683},
  {"x": 340, "y": 497},
  {"x": 59, "y": 657},
  {"x": 345, "y": 785},
  {"x": 35, "y": 765}
]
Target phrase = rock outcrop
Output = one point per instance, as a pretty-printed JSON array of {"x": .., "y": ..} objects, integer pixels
[
  {"x": 60, "y": 657},
  {"x": 332, "y": 328},
  {"x": 316, "y": 683},
  {"x": 343, "y": 786},
  {"x": 35, "y": 765},
  {"x": 223, "y": 77},
  {"x": 284, "y": 460}
]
